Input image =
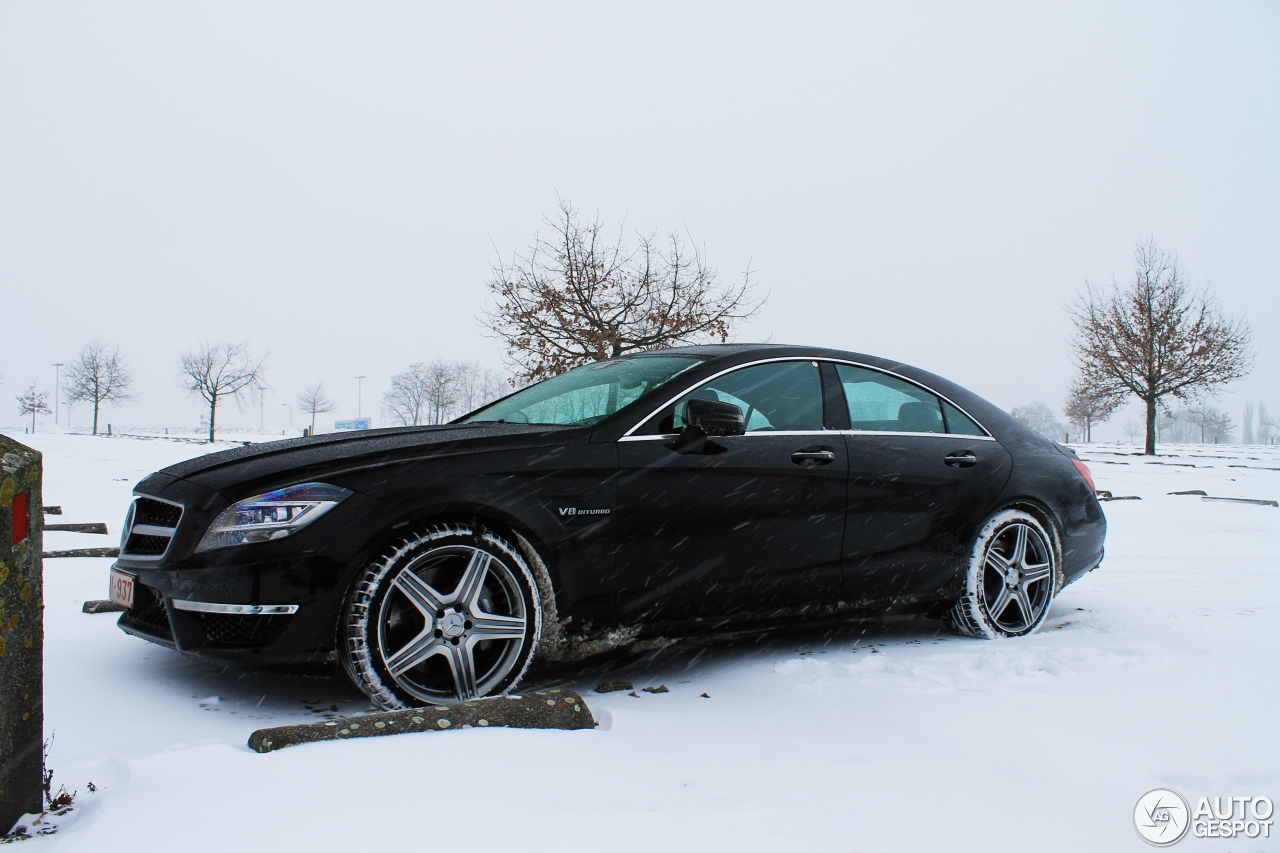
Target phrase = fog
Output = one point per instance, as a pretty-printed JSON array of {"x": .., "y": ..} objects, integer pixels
[{"x": 332, "y": 182}]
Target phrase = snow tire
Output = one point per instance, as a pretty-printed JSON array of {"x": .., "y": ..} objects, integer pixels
[
  {"x": 1014, "y": 572},
  {"x": 450, "y": 613}
]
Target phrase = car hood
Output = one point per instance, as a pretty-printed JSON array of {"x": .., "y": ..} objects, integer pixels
[{"x": 313, "y": 456}]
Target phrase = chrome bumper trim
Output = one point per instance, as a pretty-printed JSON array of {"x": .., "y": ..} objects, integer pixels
[{"x": 245, "y": 609}]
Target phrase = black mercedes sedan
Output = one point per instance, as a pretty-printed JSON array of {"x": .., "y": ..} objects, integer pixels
[{"x": 695, "y": 490}]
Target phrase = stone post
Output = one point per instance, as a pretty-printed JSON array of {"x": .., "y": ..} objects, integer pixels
[{"x": 21, "y": 633}]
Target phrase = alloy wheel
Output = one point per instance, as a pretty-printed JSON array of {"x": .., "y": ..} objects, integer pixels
[
  {"x": 1017, "y": 577},
  {"x": 452, "y": 625}
]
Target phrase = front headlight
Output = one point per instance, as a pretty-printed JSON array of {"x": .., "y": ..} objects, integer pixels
[{"x": 274, "y": 515}]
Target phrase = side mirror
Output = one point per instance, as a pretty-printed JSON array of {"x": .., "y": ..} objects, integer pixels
[
  {"x": 703, "y": 418},
  {"x": 714, "y": 417}
]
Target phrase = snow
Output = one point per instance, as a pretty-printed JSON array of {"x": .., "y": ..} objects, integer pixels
[{"x": 1159, "y": 669}]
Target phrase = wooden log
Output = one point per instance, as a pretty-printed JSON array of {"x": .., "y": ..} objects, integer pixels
[
  {"x": 95, "y": 527},
  {"x": 551, "y": 709},
  {"x": 102, "y": 606},
  {"x": 83, "y": 552},
  {"x": 51, "y": 510},
  {"x": 1243, "y": 501}
]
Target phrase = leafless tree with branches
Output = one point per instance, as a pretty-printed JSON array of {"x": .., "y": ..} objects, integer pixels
[
  {"x": 1040, "y": 417},
  {"x": 1158, "y": 338},
  {"x": 33, "y": 402},
  {"x": 1212, "y": 422},
  {"x": 409, "y": 395},
  {"x": 314, "y": 402},
  {"x": 217, "y": 371},
  {"x": 98, "y": 376},
  {"x": 577, "y": 296},
  {"x": 1086, "y": 406},
  {"x": 478, "y": 385}
]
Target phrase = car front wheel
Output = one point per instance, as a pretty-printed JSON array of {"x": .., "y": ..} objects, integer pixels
[
  {"x": 1013, "y": 575},
  {"x": 449, "y": 614}
]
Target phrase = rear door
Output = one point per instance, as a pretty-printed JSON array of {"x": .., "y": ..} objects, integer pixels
[
  {"x": 753, "y": 524},
  {"x": 922, "y": 477}
]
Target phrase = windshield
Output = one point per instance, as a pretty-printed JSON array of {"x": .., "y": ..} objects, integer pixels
[{"x": 586, "y": 394}]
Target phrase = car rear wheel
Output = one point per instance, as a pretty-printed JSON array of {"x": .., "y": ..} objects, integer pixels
[
  {"x": 1014, "y": 573},
  {"x": 449, "y": 614}
]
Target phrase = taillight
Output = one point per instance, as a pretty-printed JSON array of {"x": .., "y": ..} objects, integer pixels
[{"x": 1084, "y": 472}]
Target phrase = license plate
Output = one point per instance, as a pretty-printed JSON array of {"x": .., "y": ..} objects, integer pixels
[{"x": 122, "y": 588}]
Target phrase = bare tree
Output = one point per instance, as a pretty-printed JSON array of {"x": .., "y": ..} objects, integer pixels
[
  {"x": 407, "y": 400},
  {"x": 576, "y": 297},
  {"x": 442, "y": 389},
  {"x": 33, "y": 402},
  {"x": 313, "y": 401},
  {"x": 1246, "y": 427},
  {"x": 478, "y": 385},
  {"x": 1212, "y": 422},
  {"x": 1266, "y": 424},
  {"x": 217, "y": 371},
  {"x": 98, "y": 376},
  {"x": 1086, "y": 405},
  {"x": 1039, "y": 417},
  {"x": 1158, "y": 338}
]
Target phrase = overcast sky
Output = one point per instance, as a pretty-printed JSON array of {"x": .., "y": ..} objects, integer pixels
[{"x": 330, "y": 180}]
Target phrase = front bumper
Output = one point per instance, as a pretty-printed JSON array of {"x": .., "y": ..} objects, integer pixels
[
  {"x": 256, "y": 616},
  {"x": 272, "y": 605}
]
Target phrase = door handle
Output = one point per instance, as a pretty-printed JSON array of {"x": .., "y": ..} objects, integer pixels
[
  {"x": 813, "y": 457},
  {"x": 962, "y": 459}
]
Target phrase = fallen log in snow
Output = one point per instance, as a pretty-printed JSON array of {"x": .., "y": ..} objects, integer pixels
[
  {"x": 552, "y": 709},
  {"x": 102, "y": 606},
  {"x": 95, "y": 527},
  {"x": 83, "y": 552},
  {"x": 1243, "y": 501}
]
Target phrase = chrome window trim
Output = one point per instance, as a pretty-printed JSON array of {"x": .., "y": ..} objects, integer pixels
[
  {"x": 627, "y": 436},
  {"x": 849, "y": 432},
  {"x": 241, "y": 609},
  {"x": 148, "y": 529}
]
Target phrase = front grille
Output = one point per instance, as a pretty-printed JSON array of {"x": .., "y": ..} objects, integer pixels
[
  {"x": 156, "y": 513},
  {"x": 236, "y": 629},
  {"x": 149, "y": 528},
  {"x": 148, "y": 613},
  {"x": 141, "y": 545}
]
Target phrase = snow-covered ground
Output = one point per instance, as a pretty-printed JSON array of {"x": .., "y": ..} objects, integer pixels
[{"x": 1158, "y": 670}]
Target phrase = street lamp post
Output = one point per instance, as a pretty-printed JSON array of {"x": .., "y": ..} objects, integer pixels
[
  {"x": 359, "y": 389},
  {"x": 57, "y": 389},
  {"x": 290, "y": 408}
]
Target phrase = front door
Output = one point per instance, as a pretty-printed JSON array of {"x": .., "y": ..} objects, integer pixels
[{"x": 754, "y": 523}]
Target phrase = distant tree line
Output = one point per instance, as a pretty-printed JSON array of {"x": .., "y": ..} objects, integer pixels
[
  {"x": 439, "y": 391},
  {"x": 216, "y": 372}
]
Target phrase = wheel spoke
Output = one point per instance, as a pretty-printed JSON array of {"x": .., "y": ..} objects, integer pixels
[
  {"x": 999, "y": 605},
  {"x": 492, "y": 627},
  {"x": 1024, "y": 604},
  {"x": 464, "y": 670},
  {"x": 1019, "y": 556},
  {"x": 413, "y": 653},
  {"x": 1038, "y": 572},
  {"x": 999, "y": 565},
  {"x": 420, "y": 593},
  {"x": 469, "y": 588}
]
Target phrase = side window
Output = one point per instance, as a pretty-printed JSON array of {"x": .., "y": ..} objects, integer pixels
[
  {"x": 782, "y": 396},
  {"x": 881, "y": 403},
  {"x": 958, "y": 423}
]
